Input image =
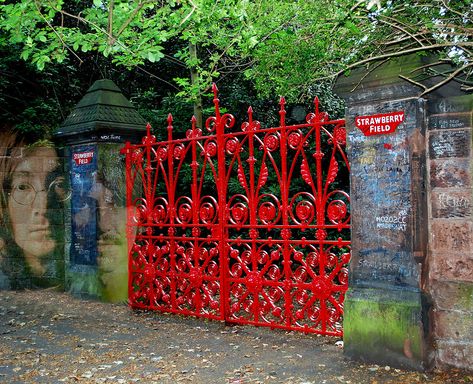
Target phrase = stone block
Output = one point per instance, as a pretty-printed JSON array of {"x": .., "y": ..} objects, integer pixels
[
  {"x": 452, "y": 235},
  {"x": 453, "y": 266},
  {"x": 455, "y": 104},
  {"x": 454, "y": 354},
  {"x": 450, "y": 121},
  {"x": 453, "y": 325},
  {"x": 448, "y": 144},
  {"x": 452, "y": 295},
  {"x": 450, "y": 203},
  {"x": 453, "y": 172}
]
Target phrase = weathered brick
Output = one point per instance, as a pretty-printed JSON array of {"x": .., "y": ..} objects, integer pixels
[
  {"x": 451, "y": 203},
  {"x": 454, "y": 325},
  {"x": 451, "y": 143},
  {"x": 454, "y": 172},
  {"x": 450, "y": 121},
  {"x": 453, "y": 266},
  {"x": 451, "y": 295},
  {"x": 452, "y": 235},
  {"x": 454, "y": 353}
]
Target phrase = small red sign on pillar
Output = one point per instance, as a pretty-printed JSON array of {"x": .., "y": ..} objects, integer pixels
[{"x": 381, "y": 124}]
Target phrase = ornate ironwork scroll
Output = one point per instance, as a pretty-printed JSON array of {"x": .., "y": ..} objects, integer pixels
[{"x": 248, "y": 225}]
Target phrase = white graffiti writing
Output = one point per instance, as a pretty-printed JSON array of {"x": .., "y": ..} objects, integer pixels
[
  {"x": 394, "y": 222},
  {"x": 448, "y": 201}
]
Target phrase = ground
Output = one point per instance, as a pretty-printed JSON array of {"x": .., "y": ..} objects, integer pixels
[{"x": 51, "y": 337}]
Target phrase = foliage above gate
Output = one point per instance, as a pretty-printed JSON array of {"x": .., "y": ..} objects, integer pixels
[{"x": 250, "y": 226}]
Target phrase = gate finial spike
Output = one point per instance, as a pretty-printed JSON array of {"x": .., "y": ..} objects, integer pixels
[
  {"x": 316, "y": 103},
  {"x": 148, "y": 129},
  {"x": 250, "y": 114},
  {"x": 282, "y": 110},
  {"x": 194, "y": 122},
  {"x": 169, "y": 127},
  {"x": 282, "y": 102}
]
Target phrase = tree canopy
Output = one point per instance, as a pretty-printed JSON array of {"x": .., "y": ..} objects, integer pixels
[
  {"x": 294, "y": 48},
  {"x": 281, "y": 45}
]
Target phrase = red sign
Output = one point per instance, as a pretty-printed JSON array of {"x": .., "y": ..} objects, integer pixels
[
  {"x": 83, "y": 157},
  {"x": 381, "y": 124}
]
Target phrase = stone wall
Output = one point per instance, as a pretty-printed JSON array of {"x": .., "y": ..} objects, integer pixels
[{"x": 450, "y": 254}]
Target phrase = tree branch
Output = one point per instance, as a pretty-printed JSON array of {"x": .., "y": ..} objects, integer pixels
[
  {"x": 110, "y": 23},
  {"x": 56, "y": 33},
  {"x": 446, "y": 80},
  {"x": 400, "y": 29}
]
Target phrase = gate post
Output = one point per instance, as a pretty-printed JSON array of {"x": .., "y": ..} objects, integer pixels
[
  {"x": 385, "y": 308},
  {"x": 93, "y": 134},
  {"x": 410, "y": 301}
]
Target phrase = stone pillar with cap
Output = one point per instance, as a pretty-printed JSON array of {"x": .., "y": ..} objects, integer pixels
[
  {"x": 93, "y": 134},
  {"x": 410, "y": 300}
]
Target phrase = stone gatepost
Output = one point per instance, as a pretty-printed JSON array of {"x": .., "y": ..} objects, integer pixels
[
  {"x": 410, "y": 297},
  {"x": 93, "y": 134}
]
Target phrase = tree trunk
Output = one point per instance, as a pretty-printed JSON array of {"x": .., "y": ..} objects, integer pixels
[{"x": 195, "y": 82}]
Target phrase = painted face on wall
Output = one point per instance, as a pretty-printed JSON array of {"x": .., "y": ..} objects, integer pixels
[
  {"x": 111, "y": 245},
  {"x": 37, "y": 187}
]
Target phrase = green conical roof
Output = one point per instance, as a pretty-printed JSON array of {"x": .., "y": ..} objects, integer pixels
[{"x": 103, "y": 109}]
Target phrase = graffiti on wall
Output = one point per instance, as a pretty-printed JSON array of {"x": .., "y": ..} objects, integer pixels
[{"x": 33, "y": 193}]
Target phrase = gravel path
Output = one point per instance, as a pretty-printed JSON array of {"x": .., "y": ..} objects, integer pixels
[{"x": 51, "y": 337}]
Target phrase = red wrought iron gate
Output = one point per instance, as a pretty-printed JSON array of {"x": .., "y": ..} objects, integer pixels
[{"x": 249, "y": 226}]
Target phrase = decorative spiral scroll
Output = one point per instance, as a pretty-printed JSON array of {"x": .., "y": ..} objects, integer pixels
[
  {"x": 193, "y": 133},
  {"x": 321, "y": 117},
  {"x": 143, "y": 211},
  {"x": 271, "y": 142},
  {"x": 294, "y": 139},
  {"x": 179, "y": 151},
  {"x": 238, "y": 209},
  {"x": 208, "y": 210},
  {"x": 250, "y": 126},
  {"x": 210, "y": 123},
  {"x": 210, "y": 148},
  {"x": 228, "y": 120},
  {"x": 160, "y": 211},
  {"x": 162, "y": 153},
  {"x": 137, "y": 156},
  {"x": 184, "y": 210},
  {"x": 232, "y": 146},
  {"x": 302, "y": 208},
  {"x": 269, "y": 209},
  {"x": 337, "y": 209}
]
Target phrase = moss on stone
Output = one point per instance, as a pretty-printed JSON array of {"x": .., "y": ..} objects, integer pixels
[{"x": 384, "y": 331}]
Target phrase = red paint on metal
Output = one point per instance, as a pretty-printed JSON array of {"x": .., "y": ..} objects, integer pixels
[
  {"x": 381, "y": 124},
  {"x": 248, "y": 226}
]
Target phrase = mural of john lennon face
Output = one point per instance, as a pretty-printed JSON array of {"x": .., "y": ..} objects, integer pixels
[
  {"x": 35, "y": 182},
  {"x": 33, "y": 192}
]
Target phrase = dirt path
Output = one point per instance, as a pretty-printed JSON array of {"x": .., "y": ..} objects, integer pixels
[{"x": 51, "y": 337}]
